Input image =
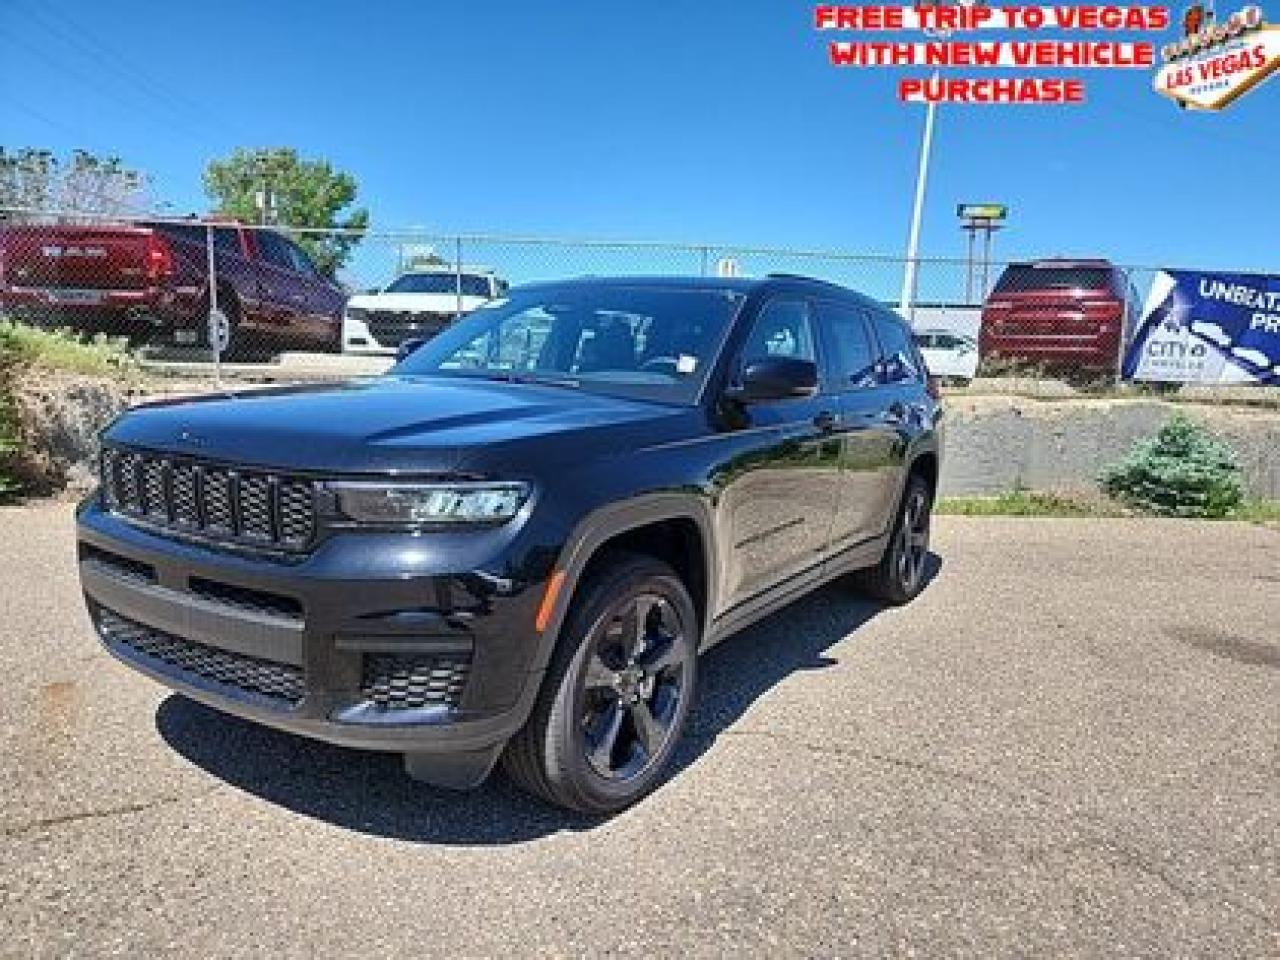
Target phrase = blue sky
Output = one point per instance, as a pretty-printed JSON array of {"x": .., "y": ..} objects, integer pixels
[{"x": 718, "y": 120}]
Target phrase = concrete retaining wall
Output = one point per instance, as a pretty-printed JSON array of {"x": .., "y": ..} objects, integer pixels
[{"x": 994, "y": 444}]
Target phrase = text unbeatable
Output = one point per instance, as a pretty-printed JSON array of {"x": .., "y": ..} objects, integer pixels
[
  {"x": 1217, "y": 68},
  {"x": 991, "y": 90},
  {"x": 977, "y": 17},
  {"x": 995, "y": 54}
]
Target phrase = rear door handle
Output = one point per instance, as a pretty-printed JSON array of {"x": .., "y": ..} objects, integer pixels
[{"x": 895, "y": 413}]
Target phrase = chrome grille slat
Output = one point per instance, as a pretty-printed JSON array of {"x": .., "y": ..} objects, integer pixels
[{"x": 253, "y": 507}]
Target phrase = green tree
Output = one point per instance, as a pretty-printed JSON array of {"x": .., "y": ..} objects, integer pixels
[{"x": 277, "y": 186}]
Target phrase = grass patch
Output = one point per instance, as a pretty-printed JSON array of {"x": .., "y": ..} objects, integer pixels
[
  {"x": 1027, "y": 503},
  {"x": 59, "y": 350},
  {"x": 1258, "y": 511}
]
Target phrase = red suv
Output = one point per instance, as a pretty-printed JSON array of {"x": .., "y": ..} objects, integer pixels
[{"x": 1060, "y": 313}]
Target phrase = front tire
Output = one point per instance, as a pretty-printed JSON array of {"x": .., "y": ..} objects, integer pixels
[
  {"x": 616, "y": 697},
  {"x": 900, "y": 575}
]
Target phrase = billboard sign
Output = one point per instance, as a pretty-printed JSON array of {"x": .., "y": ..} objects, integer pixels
[
  {"x": 1208, "y": 328},
  {"x": 982, "y": 211},
  {"x": 1218, "y": 61}
]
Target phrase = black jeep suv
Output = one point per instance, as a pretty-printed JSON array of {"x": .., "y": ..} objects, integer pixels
[{"x": 517, "y": 542}]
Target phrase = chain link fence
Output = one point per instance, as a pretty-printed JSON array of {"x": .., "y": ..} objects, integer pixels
[
  {"x": 217, "y": 301},
  {"x": 213, "y": 292}
]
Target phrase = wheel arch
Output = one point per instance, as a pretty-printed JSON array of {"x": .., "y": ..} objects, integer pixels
[
  {"x": 925, "y": 465},
  {"x": 675, "y": 528}
]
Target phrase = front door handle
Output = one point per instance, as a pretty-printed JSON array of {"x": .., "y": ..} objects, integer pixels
[{"x": 826, "y": 421}]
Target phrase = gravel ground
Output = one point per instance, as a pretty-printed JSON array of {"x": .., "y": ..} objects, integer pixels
[{"x": 1068, "y": 746}]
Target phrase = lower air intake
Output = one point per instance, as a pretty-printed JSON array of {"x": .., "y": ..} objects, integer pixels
[{"x": 400, "y": 682}]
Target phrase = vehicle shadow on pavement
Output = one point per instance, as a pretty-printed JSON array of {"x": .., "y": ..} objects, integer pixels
[{"x": 369, "y": 792}]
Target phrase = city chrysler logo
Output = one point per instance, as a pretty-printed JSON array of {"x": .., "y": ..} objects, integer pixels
[{"x": 1217, "y": 62}]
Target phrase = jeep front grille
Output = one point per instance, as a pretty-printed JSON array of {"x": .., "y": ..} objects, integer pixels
[{"x": 211, "y": 501}]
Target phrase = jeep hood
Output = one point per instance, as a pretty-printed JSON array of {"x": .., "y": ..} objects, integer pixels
[{"x": 423, "y": 425}]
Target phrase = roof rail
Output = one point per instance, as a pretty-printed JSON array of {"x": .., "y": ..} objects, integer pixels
[{"x": 801, "y": 276}]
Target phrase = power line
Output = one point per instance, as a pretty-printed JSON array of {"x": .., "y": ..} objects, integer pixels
[
  {"x": 43, "y": 118},
  {"x": 158, "y": 92},
  {"x": 94, "y": 85}
]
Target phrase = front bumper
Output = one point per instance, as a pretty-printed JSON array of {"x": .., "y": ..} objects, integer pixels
[
  {"x": 370, "y": 642},
  {"x": 358, "y": 338},
  {"x": 384, "y": 338}
]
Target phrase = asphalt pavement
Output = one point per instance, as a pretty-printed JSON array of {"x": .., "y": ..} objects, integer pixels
[{"x": 1068, "y": 746}]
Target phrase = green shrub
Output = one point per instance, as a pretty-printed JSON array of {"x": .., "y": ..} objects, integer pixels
[
  {"x": 23, "y": 347},
  {"x": 9, "y": 435},
  {"x": 1183, "y": 471}
]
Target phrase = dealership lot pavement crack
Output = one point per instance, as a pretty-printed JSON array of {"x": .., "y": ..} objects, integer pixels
[{"x": 124, "y": 809}]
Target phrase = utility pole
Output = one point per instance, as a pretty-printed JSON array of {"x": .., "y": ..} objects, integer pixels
[{"x": 906, "y": 303}]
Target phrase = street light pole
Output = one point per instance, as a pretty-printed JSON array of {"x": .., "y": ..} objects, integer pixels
[{"x": 906, "y": 303}]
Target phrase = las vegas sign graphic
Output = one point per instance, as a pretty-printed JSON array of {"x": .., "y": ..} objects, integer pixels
[{"x": 1215, "y": 64}]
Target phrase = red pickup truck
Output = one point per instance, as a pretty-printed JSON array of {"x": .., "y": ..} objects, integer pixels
[{"x": 150, "y": 281}]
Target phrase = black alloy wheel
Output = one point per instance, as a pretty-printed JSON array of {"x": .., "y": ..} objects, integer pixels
[
  {"x": 913, "y": 535},
  {"x": 900, "y": 575},
  {"x": 633, "y": 687},
  {"x": 617, "y": 693}
]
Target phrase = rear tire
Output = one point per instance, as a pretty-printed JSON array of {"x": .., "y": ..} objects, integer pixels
[
  {"x": 615, "y": 699},
  {"x": 900, "y": 575}
]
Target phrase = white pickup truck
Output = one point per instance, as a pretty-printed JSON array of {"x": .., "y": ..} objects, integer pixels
[{"x": 418, "y": 304}]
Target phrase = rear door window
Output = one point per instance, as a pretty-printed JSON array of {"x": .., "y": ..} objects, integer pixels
[
  {"x": 899, "y": 359},
  {"x": 851, "y": 350}
]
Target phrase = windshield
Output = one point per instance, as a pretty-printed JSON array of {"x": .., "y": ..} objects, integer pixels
[
  {"x": 651, "y": 343},
  {"x": 473, "y": 284}
]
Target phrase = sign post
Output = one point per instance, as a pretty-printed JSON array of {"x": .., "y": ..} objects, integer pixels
[{"x": 984, "y": 218}]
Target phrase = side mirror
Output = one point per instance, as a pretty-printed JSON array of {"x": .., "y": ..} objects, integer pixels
[
  {"x": 777, "y": 378},
  {"x": 407, "y": 347}
]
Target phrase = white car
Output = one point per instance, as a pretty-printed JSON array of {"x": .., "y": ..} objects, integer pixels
[
  {"x": 947, "y": 354},
  {"x": 417, "y": 304}
]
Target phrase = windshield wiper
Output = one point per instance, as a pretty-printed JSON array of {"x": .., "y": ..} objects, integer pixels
[
  {"x": 511, "y": 376},
  {"x": 567, "y": 382}
]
